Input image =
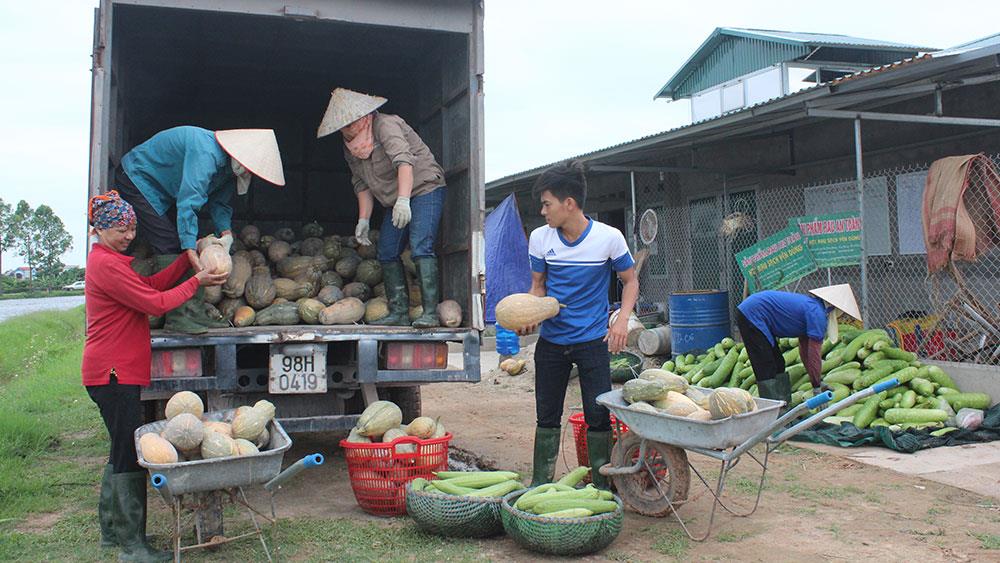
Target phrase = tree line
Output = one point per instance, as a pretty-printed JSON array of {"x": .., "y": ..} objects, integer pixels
[{"x": 39, "y": 237}]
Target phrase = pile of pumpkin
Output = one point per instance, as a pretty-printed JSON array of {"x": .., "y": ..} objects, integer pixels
[
  {"x": 660, "y": 391},
  {"x": 286, "y": 278},
  {"x": 382, "y": 421},
  {"x": 189, "y": 436}
]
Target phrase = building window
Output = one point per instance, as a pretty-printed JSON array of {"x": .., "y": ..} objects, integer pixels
[
  {"x": 764, "y": 86},
  {"x": 732, "y": 97},
  {"x": 706, "y": 105}
]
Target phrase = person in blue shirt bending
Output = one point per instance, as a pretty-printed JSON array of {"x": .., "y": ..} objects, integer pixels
[
  {"x": 572, "y": 258},
  {"x": 178, "y": 172},
  {"x": 766, "y": 316}
]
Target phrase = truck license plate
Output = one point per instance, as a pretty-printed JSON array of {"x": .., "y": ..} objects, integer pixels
[{"x": 297, "y": 368}]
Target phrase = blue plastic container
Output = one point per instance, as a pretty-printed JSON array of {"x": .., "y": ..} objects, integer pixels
[
  {"x": 508, "y": 343},
  {"x": 698, "y": 320}
]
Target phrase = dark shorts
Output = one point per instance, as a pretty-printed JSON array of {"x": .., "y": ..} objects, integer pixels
[
  {"x": 159, "y": 231},
  {"x": 553, "y": 363}
]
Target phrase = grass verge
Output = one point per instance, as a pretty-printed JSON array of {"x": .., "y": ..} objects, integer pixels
[{"x": 40, "y": 293}]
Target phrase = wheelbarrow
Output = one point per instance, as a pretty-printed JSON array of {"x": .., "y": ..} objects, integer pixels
[
  {"x": 185, "y": 484},
  {"x": 649, "y": 464}
]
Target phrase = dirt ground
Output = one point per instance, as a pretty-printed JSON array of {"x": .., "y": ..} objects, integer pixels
[{"x": 814, "y": 506}]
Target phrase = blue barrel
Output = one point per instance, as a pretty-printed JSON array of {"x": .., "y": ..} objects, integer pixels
[{"x": 698, "y": 320}]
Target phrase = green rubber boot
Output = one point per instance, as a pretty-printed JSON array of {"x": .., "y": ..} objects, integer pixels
[
  {"x": 778, "y": 389},
  {"x": 396, "y": 294},
  {"x": 106, "y": 510},
  {"x": 543, "y": 463},
  {"x": 129, "y": 490},
  {"x": 427, "y": 274},
  {"x": 599, "y": 452}
]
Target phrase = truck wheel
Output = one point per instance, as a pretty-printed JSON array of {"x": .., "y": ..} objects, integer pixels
[{"x": 407, "y": 399}]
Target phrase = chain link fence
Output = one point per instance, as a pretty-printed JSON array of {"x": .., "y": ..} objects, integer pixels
[{"x": 951, "y": 315}]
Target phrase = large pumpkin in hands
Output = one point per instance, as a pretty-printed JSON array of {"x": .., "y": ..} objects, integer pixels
[
  {"x": 521, "y": 310},
  {"x": 216, "y": 259}
]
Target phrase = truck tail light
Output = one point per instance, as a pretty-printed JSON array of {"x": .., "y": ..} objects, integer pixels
[
  {"x": 416, "y": 355},
  {"x": 176, "y": 362}
]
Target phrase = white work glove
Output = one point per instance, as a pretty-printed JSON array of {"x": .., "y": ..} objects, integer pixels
[
  {"x": 401, "y": 212},
  {"x": 361, "y": 232}
]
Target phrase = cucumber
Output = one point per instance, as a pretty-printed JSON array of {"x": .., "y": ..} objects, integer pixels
[
  {"x": 689, "y": 359},
  {"x": 943, "y": 431},
  {"x": 720, "y": 350},
  {"x": 668, "y": 365},
  {"x": 909, "y": 399},
  {"x": 831, "y": 363},
  {"x": 825, "y": 348},
  {"x": 878, "y": 422},
  {"x": 723, "y": 371},
  {"x": 574, "y": 477},
  {"x": 746, "y": 372},
  {"x": 749, "y": 382},
  {"x": 895, "y": 364},
  {"x": 886, "y": 404},
  {"x": 938, "y": 375},
  {"x": 862, "y": 340},
  {"x": 728, "y": 343},
  {"x": 594, "y": 505},
  {"x": 570, "y": 513},
  {"x": 869, "y": 377},
  {"x": 680, "y": 361},
  {"x": 897, "y": 354},
  {"x": 849, "y": 411},
  {"x": 922, "y": 386},
  {"x": 848, "y": 365},
  {"x": 796, "y": 371},
  {"x": 840, "y": 392},
  {"x": 844, "y": 377},
  {"x": 958, "y": 401},
  {"x": 902, "y": 416},
  {"x": 838, "y": 348},
  {"x": 744, "y": 355},
  {"x": 920, "y": 425},
  {"x": 866, "y": 415},
  {"x": 872, "y": 358},
  {"x": 947, "y": 391},
  {"x": 791, "y": 356},
  {"x": 864, "y": 353},
  {"x": 753, "y": 390}
]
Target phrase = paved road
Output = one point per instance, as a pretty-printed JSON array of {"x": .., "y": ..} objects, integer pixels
[{"x": 14, "y": 307}]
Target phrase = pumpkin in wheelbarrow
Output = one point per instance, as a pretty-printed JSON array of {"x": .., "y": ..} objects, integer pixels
[{"x": 726, "y": 401}]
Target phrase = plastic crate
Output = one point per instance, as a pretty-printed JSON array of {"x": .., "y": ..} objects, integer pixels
[
  {"x": 580, "y": 436},
  {"x": 379, "y": 472}
]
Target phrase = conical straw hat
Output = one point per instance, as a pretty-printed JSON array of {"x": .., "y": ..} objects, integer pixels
[
  {"x": 346, "y": 106},
  {"x": 840, "y": 296},
  {"x": 256, "y": 150}
]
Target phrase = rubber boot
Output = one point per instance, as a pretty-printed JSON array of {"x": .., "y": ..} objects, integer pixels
[
  {"x": 599, "y": 452},
  {"x": 778, "y": 389},
  {"x": 130, "y": 522},
  {"x": 543, "y": 462},
  {"x": 106, "y": 510},
  {"x": 427, "y": 275},
  {"x": 396, "y": 294}
]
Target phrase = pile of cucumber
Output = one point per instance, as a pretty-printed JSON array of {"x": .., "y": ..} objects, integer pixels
[
  {"x": 562, "y": 500},
  {"x": 493, "y": 484},
  {"x": 926, "y": 397}
]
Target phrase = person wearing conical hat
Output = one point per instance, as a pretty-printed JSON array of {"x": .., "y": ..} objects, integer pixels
[
  {"x": 766, "y": 316},
  {"x": 178, "y": 172},
  {"x": 390, "y": 164}
]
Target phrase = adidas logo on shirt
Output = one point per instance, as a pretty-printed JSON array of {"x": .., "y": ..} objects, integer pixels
[{"x": 551, "y": 252}]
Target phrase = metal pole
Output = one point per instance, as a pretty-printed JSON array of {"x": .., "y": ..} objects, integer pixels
[
  {"x": 635, "y": 220},
  {"x": 859, "y": 170},
  {"x": 829, "y": 277}
]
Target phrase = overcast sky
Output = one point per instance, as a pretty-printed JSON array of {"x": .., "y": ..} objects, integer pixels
[{"x": 563, "y": 77}]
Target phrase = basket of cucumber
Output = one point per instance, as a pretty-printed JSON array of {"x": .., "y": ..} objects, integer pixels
[
  {"x": 625, "y": 366},
  {"x": 461, "y": 504}
]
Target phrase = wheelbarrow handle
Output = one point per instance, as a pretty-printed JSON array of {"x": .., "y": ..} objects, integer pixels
[
  {"x": 158, "y": 480},
  {"x": 833, "y": 409},
  {"x": 311, "y": 460},
  {"x": 819, "y": 400}
]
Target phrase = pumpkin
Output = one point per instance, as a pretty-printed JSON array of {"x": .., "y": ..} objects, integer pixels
[
  {"x": 698, "y": 395},
  {"x": 265, "y": 242},
  {"x": 376, "y": 309},
  {"x": 725, "y": 402},
  {"x": 512, "y": 366},
  {"x": 368, "y": 251},
  {"x": 369, "y": 272},
  {"x": 284, "y": 313},
  {"x": 185, "y": 431},
  {"x": 280, "y": 300},
  {"x": 378, "y": 418},
  {"x": 291, "y": 289},
  {"x": 643, "y": 406},
  {"x": 313, "y": 229},
  {"x": 216, "y": 426},
  {"x": 250, "y": 235},
  {"x": 265, "y": 407},
  {"x": 331, "y": 248},
  {"x": 394, "y": 433},
  {"x": 215, "y": 445},
  {"x": 330, "y": 294},
  {"x": 216, "y": 259},
  {"x": 673, "y": 381},
  {"x": 312, "y": 246},
  {"x": 309, "y": 310},
  {"x": 331, "y": 278},
  {"x": 256, "y": 258},
  {"x": 439, "y": 430},
  {"x": 213, "y": 294},
  {"x": 278, "y": 251},
  {"x": 357, "y": 289},
  {"x": 344, "y": 312},
  {"x": 260, "y": 291},
  {"x": 245, "y": 447},
  {"x": 238, "y": 277},
  {"x": 520, "y": 310},
  {"x": 347, "y": 266},
  {"x": 701, "y": 414},
  {"x": 294, "y": 266},
  {"x": 285, "y": 233},
  {"x": 378, "y": 290},
  {"x": 156, "y": 449},
  {"x": 676, "y": 404},
  {"x": 249, "y": 422},
  {"x": 228, "y": 306},
  {"x": 356, "y": 438},
  {"x": 421, "y": 427},
  {"x": 449, "y": 313},
  {"x": 184, "y": 401},
  {"x": 237, "y": 246},
  {"x": 263, "y": 440},
  {"x": 244, "y": 316},
  {"x": 643, "y": 390}
]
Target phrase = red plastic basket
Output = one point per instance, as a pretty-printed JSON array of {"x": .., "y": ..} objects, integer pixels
[
  {"x": 580, "y": 435},
  {"x": 379, "y": 472}
]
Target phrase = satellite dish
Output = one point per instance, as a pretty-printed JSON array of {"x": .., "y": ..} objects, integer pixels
[{"x": 648, "y": 225}]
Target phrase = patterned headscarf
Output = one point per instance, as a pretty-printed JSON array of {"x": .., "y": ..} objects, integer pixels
[{"x": 109, "y": 210}]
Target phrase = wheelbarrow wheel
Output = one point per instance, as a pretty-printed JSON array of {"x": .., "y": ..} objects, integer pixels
[{"x": 639, "y": 491}]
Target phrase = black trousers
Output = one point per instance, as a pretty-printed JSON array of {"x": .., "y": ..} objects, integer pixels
[
  {"x": 159, "y": 231},
  {"x": 121, "y": 410},
  {"x": 553, "y": 363},
  {"x": 765, "y": 358}
]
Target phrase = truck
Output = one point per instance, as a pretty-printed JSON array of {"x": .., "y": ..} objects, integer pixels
[{"x": 230, "y": 64}]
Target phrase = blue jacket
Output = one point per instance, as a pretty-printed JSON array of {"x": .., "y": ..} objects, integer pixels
[
  {"x": 184, "y": 167},
  {"x": 780, "y": 314}
]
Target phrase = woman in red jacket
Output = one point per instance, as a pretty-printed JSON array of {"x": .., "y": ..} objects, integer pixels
[{"x": 116, "y": 362}]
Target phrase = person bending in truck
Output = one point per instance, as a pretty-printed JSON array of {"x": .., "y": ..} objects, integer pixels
[
  {"x": 116, "y": 362},
  {"x": 390, "y": 164},
  {"x": 175, "y": 174},
  {"x": 571, "y": 259},
  {"x": 766, "y": 316}
]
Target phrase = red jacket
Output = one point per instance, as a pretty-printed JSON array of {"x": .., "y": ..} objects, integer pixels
[{"x": 118, "y": 302}]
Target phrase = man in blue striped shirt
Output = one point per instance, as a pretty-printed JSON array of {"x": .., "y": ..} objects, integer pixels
[{"x": 572, "y": 258}]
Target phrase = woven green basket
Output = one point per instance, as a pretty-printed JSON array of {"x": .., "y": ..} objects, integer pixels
[
  {"x": 454, "y": 516},
  {"x": 560, "y": 536},
  {"x": 623, "y": 374}
]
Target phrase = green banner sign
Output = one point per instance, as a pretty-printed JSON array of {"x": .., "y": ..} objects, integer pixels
[
  {"x": 834, "y": 240},
  {"x": 776, "y": 261}
]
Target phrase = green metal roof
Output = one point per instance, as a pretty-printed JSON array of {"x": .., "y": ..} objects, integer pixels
[{"x": 731, "y": 52}]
